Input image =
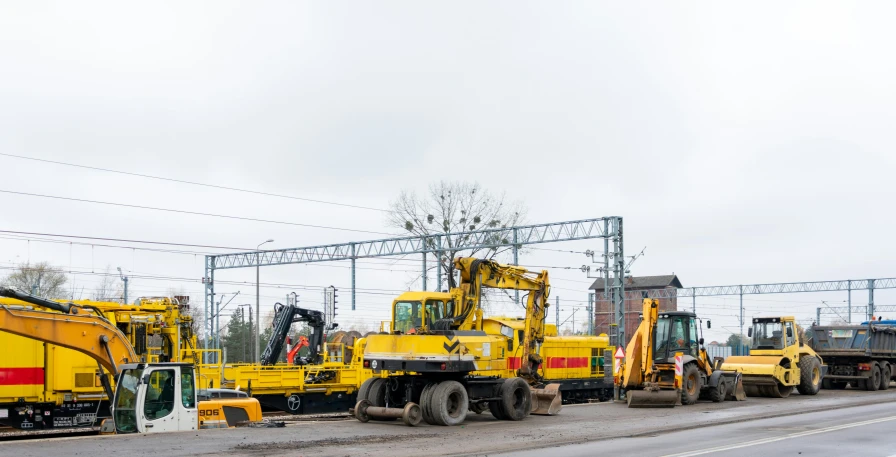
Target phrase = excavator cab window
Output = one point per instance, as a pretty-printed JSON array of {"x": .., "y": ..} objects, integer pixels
[
  {"x": 767, "y": 335},
  {"x": 435, "y": 310},
  {"x": 159, "y": 403},
  {"x": 675, "y": 334},
  {"x": 125, "y": 416},
  {"x": 408, "y": 315}
]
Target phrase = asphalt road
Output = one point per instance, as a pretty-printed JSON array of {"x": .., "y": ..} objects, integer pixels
[
  {"x": 585, "y": 429},
  {"x": 862, "y": 430}
]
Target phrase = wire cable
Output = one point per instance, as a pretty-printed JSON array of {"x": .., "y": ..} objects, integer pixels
[
  {"x": 182, "y": 181},
  {"x": 196, "y": 213}
]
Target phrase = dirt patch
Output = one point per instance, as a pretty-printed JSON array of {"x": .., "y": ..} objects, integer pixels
[{"x": 355, "y": 440}]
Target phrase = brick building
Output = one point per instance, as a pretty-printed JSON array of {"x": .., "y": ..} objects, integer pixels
[{"x": 603, "y": 307}]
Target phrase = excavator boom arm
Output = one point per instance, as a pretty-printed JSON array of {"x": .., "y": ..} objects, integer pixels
[
  {"x": 85, "y": 333},
  {"x": 478, "y": 273}
]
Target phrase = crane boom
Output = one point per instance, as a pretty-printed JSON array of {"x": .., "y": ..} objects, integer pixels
[{"x": 478, "y": 273}]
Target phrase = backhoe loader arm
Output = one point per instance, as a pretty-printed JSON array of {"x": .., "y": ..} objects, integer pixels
[
  {"x": 639, "y": 361},
  {"x": 477, "y": 273}
]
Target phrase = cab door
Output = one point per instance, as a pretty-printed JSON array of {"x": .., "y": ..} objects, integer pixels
[
  {"x": 157, "y": 408},
  {"x": 167, "y": 400}
]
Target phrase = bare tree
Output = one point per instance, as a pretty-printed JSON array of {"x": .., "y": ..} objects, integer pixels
[
  {"x": 109, "y": 288},
  {"x": 39, "y": 279},
  {"x": 452, "y": 208}
]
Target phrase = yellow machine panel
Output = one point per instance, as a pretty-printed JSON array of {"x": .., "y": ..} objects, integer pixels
[{"x": 228, "y": 412}]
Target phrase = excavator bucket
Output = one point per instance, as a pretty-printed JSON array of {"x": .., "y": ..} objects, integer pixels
[
  {"x": 739, "y": 394},
  {"x": 653, "y": 398},
  {"x": 547, "y": 401}
]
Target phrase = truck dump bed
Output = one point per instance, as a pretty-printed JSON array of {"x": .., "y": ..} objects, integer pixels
[{"x": 869, "y": 340}]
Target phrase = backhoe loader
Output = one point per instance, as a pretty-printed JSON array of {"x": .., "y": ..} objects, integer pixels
[
  {"x": 778, "y": 360},
  {"x": 148, "y": 397},
  {"x": 438, "y": 361},
  {"x": 648, "y": 377}
]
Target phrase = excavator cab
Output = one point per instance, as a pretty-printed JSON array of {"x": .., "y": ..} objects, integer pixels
[
  {"x": 152, "y": 398},
  {"x": 418, "y": 312},
  {"x": 676, "y": 332}
]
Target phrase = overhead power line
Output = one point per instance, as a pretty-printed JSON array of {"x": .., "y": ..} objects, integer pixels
[
  {"x": 193, "y": 183},
  {"x": 196, "y": 213},
  {"x": 126, "y": 240}
]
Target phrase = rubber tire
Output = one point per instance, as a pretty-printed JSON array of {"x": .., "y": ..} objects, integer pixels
[
  {"x": 425, "y": 399},
  {"x": 494, "y": 407},
  {"x": 717, "y": 395},
  {"x": 809, "y": 366},
  {"x": 377, "y": 397},
  {"x": 690, "y": 371},
  {"x": 872, "y": 383},
  {"x": 441, "y": 400},
  {"x": 376, "y": 393},
  {"x": 516, "y": 399},
  {"x": 885, "y": 377},
  {"x": 364, "y": 390}
]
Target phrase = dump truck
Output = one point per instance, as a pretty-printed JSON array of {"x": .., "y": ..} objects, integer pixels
[
  {"x": 863, "y": 356},
  {"x": 648, "y": 377},
  {"x": 778, "y": 360}
]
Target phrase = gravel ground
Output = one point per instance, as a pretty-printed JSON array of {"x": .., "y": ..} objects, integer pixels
[{"x": 479, "y": 435}]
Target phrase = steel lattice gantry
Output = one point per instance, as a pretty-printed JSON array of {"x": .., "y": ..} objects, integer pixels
[
  {"x": 607, "y": 228},
  {"x": 847, "y": 285}
]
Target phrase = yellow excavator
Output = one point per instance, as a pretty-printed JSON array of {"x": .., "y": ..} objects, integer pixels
[
  {"x": 649, "y": 377},
  {"x": 148, "y": 397},
  {"x": 778, "y": 360},
  {"x": 438, "y": 360}
]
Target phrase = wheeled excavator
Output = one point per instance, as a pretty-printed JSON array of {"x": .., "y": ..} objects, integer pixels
[
  {"x": 438, "y": 362},
  {"x": 148, "y": 397},
  {"x": 649, "y": 376}
]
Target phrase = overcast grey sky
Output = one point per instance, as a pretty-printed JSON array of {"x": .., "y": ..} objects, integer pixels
[{"x": 742, "y": 142}]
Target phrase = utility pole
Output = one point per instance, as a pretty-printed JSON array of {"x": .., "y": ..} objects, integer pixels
[
  {"x": 250, "y": 326},
  {"x": 558, "y": 314},
  {"x": 257, "y": 300},
  {"x": 741, "y": 313},
  {"x": 125, "y": 280},
  {"x": 35, "y": 288}
]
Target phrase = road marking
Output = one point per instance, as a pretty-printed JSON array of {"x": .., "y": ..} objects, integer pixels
[{"x": 780, "y": 438}]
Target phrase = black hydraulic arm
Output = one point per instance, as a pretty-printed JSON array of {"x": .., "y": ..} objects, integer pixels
[{"x": 284, "y": 317}]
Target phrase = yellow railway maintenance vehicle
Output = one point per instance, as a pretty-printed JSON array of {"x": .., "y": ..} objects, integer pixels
[
  {"x": 43, "y": 385},
  {"x": 323, "y": 382},
  {"x": 149, "y": 397},
  {"x": 442, "y": 358},
  {"x": 649, "y": 376},
  {"x": 778, "y": 360}
]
